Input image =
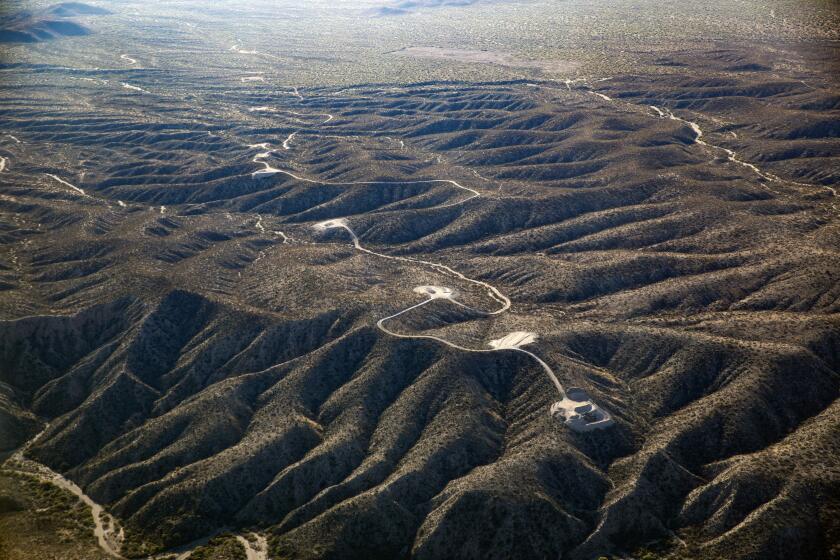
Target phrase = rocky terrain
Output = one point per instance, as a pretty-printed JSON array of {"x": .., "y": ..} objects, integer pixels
[{"x": 203, "y": 360}]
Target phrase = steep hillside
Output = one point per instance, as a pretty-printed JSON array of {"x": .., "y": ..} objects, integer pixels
[{"x": 47, "y": 24}]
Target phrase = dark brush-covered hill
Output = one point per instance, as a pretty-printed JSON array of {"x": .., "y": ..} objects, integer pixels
[
  {"x": 201, "y": 357},
  {"x": 47, "y": 24}
]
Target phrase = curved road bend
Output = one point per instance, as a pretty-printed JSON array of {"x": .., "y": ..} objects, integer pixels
[
  {"x": 492, "y": 291},
  {"x": 579, "y": 413},
  {"x": 381, "y": 325}
]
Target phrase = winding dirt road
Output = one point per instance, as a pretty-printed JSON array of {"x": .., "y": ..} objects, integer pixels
[
  {"x": 107, "y": 530},
  {"x": 491, "y": 290},
  {"x": 109, "y": 535},
  {"x": 575, "y": 409},
  {"x": 570, "y": 410}
]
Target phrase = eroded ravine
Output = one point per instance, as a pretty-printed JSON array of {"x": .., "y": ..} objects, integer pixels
[
  {"x": 109, "y": 534},
  {"x": 699, "y": 135}
]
